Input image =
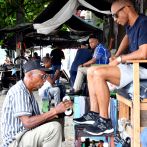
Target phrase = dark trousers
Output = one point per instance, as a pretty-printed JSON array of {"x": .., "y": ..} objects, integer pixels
[{"x": 73, "y": 77}]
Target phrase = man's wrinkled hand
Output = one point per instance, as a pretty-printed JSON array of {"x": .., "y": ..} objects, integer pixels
[
  {"x": 114, "y": 62},
  {"x": 79, "y": 66},
  {"x": 63, "y": 106}
]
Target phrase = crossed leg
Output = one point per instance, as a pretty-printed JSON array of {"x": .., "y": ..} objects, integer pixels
[{"x": 98, "y": 89}]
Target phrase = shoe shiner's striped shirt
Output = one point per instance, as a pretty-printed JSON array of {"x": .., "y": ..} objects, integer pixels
[
  {"x": 18, "y": 102},
  {"x": 101, "y": 54}
]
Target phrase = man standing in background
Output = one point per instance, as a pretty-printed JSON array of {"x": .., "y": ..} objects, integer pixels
[{"x": 56, "y": 55}]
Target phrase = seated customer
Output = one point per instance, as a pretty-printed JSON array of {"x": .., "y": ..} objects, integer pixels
[
  {"x": 21, "y": 122},
  {"x": 7, "y": 60},
  {"x": 100, "y": 56},
  {"x": 47, "y": 90},
  {"x": 36, "y": 56},
  {"x": 83, "y": 55},
  {"x": 118, "y": 74}
]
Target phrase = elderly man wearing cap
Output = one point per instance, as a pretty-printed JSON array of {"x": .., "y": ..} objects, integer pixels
[{"x": 22, "y": 124}]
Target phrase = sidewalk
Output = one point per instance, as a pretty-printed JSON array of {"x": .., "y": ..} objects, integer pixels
[{"x": 68, "y": 128}]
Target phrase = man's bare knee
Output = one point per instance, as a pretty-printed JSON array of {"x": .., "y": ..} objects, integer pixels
[
  {"x": 90, "y": 72},
  {"x": 56, "y": 126},
  {"x": 99, "y": 73}
]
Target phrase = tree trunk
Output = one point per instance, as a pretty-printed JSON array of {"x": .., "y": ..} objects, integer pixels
[{"x": 19, "y": 35}]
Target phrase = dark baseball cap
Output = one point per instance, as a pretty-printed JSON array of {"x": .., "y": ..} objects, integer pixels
[{"x": 36, "y": 64}]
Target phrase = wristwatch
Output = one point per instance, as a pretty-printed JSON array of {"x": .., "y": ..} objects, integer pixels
[
  {"x": 82, "y": 64},
  {"x": 119, "y": 59}
]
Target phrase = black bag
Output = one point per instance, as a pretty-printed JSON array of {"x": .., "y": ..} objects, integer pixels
[
  {"x": 62, "y": 91},
  {"x": 85, "y": 89}
]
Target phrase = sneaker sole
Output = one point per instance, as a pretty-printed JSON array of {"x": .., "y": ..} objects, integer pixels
[
  {"x": 107, "y": 131},
  {"x": 86, "y": 122}
]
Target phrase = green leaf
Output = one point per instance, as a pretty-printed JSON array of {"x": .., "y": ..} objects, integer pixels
[{"x": 64, "y": 28}]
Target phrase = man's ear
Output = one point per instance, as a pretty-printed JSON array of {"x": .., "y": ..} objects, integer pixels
[{"x": 30, "y": 75}]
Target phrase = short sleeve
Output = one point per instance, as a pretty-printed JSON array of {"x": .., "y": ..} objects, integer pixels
[
  {"x": 98, "y": 53},
  {"x": 142, "y": 39},
  {"x": 21, "y": 104}
]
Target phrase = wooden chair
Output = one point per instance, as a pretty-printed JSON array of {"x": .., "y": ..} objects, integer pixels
[{"x": 137, "y": 108}]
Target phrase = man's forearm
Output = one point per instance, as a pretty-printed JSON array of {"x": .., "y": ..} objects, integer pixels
[
  {"x": 56, "y": 76},
  {"x": 136, "y": 55},
  {"x": 124, "y": 44},
  {"x": 34, "y": 121},
  {"x": 92, "y": 61}
]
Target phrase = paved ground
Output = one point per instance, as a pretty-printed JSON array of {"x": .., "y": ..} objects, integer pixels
[{"x": 68, "y": 127}]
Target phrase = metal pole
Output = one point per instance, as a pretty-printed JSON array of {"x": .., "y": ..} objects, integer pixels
[
  {"x": 141, "y": 6},
  {"x": 116, "y": 41},
  {"x": 31, "y": 52},
  {"x": 21, "y": 61},
  {"x": 103, "y": 29},
  {"x": 40, "y": 48},
  {"x": 42, "y": 52}
]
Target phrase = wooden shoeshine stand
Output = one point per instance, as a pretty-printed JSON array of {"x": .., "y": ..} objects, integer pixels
[{"x": 137, "y": 109}]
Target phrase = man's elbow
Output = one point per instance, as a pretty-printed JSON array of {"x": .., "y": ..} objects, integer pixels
[
  {"x": 142, "y": 56},
  {"x": 27, "y": 125},
  {"x": 93, "y": 61}
]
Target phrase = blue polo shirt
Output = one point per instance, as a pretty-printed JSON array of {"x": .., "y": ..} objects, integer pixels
[
  {"x": 82, "y": 56},
  {"x": 101, "y": 54},
  {"x": 137, "y": 34}
]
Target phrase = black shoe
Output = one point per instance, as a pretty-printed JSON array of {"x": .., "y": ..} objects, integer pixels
[
  {"x": 88, "y": 118},
  {"x": 69, "y": 91},
  {"x": 75, "y": 93},
  {"x": 99, "y": 127}
]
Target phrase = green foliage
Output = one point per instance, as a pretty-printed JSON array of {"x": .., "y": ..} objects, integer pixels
[
  {"x": 30, "y": 9},
  {"x": 64, "y": 28},
  {"x": 99, "y": 22},
  {"x": 1, "y": 41}
]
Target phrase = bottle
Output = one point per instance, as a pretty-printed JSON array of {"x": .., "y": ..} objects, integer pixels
[
  {"x": 93, "y": 143},
  {"x": 83, "y": 144},
  {"x": 101, "y": 143},
  {"x": 105, "y": 143}
]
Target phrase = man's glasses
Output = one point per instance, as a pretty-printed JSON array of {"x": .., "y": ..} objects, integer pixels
[
  {"x": 115, "y": 14},
  {"x": 43, "y": 75}
]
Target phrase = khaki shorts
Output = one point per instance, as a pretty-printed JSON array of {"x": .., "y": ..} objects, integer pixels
[{"x": 127, "y": 74}]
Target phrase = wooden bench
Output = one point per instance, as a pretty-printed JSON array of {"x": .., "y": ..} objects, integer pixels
[{"x": 136, "y": 110}]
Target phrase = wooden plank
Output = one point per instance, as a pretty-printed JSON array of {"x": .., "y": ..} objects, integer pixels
[
  {"x": 124, "y": 100},
  {"x": 143, "y": 106},
  {"x": 144, "y": 100},
  {"x": 120, "y": 108},
  {"x": 112, "y": 141},
  {"x": 136, "y": 61},
  {"x": 141, "y": 128},
  {"x": 136, "y": 103},
  {"x": 132, "y": 124},
  {"x": 143, "y": 118}
]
